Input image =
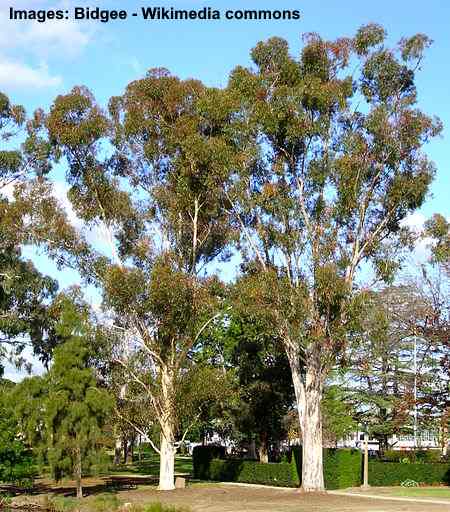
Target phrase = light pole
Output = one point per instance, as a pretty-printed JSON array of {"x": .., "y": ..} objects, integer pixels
[
  {"x": 415, "y": 392},
  {"x": 365, "y": 484}
]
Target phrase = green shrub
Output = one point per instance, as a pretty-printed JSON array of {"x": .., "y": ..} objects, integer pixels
[
  {"x": 157, "y": 507},
  {"x": 105, "y": 503},
  {"x": 414, "y": 456},
  {"x": 202, "y": 457},
  {"x": 341, "y": 467},
  {"x": 62, "y": 504},
  {"x": 394, "y": 473},
  {"x": 278, "y": 474}
]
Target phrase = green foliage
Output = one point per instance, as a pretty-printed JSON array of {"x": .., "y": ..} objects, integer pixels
[
  {"x": 337, "y": 414},
  {"x": 16, "y": 462},
  {"x": 62, "y": 504},
  {"x": 277, "y": 474},
  {"x": 62, "y": 413},
  {"x": 394, "y": 473},
  {"x": 105, "y": 503},
  {"x": 414, "y": 456},
  {"x": 202, "y": 457},
  {"x": 342, "y": 468},
  {"x": 157, "y": 507}
]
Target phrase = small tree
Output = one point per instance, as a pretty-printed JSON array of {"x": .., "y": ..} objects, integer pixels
[{"x": 64, "y": 411}]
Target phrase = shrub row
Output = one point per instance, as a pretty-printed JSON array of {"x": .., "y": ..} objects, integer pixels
[
  {"x": 202, "y": 457},
  {"x": 282, "y": 474},
  {"x": 415, "y": 456},
  {"x": 394, "y": 473},
  {"x": 342, "y": 468}
]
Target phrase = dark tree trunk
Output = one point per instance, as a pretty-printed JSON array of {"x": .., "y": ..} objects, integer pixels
[{"x": 78, "y": 472}]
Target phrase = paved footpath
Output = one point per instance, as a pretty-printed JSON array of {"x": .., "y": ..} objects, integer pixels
[
  {"x": 390, "y": 498},
  {"x": 348, "y": 494}
]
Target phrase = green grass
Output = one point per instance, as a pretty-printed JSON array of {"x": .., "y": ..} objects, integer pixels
[
  {"x": 150, "y": 466},
  {"x": 414, "y": 492}
]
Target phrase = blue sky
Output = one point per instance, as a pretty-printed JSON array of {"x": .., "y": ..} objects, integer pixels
[{"x": 40, "y": 60}]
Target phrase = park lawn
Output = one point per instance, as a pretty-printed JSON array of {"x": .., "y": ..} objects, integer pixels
[
  {"x": 149, "y": 466},
  {"x": 438, "y": 493}
]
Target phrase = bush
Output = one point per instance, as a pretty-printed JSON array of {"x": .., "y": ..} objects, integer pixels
[
  {"x": 341, "y": 467},
  {"x": 105, "y": 503},
  {"x": 414, "y": 456},
  {"x": 394, "y": 473},
  {"x": 280, "y": 474},
  {"x": 62, "y": 504},
  {"x": 202, "y": 457},
  {"x": 156, "y": 507}
]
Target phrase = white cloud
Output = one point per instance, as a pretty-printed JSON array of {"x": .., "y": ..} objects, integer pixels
[
  {"x": 415, "y": 221},
  {"x": 66, "y": 38},
  {"x": 95, "y": 234},
  {"x": 17, "y": 75}
]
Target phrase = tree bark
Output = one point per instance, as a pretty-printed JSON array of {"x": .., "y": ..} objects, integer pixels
[
  {"x": 263, "y": 448},
  {"x": 130, "y": 451},
  {"x": 167, "y": 455},
  {"x": 77, "y": 472},
  {"x": 312, "y": 452},
  {"x": 167, "y": 461},
  {"x": 117, "y": 449},
  {"x": 125, "y": 449},
  {"x": 308, "y": 387},
  {"x": 252, "y": 450}
]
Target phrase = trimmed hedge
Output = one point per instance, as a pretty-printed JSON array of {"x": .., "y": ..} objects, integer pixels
[
  {"x": 202, "y": 457},
  {"x": 414, "y": 456},
  {"x": 394, "y": 473},
  {"x": 282, "y": 474},
  {"x": 341, "y": 467}
]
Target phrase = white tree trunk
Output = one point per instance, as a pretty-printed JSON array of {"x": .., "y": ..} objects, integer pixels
[
  {"x": 167, "y": 449},
  {"x": 167, "y": 463},
  {"x": 308, "y": 385},
  {"x": 312, "y": 457}
]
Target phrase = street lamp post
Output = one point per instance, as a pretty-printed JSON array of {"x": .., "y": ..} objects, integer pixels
[{"x": 365, "y": 484}]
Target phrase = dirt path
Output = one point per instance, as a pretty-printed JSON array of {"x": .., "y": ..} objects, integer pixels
[
  {"x": 235, "y": 498},
  {"x": 245, "y": 499}
]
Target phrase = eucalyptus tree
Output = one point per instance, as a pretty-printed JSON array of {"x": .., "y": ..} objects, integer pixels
[
  {"x": 28, "y": 215},
  {"x": 151, "y": 172},
  {"x": 334, "y": 163}
]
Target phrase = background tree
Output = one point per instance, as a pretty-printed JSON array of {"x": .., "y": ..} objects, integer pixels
[
  {"x": 334, "y": 163},
  {"x": 264, "y": 383},
  {"x": 16, "y": 462},
  {"x": 24, "y": 292}
]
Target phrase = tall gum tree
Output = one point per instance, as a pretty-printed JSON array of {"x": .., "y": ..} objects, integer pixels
[
  {"x": 28, "y": 215},
  {"x": 337, "y": 165},
  {"x": 151, "y": 171}
]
